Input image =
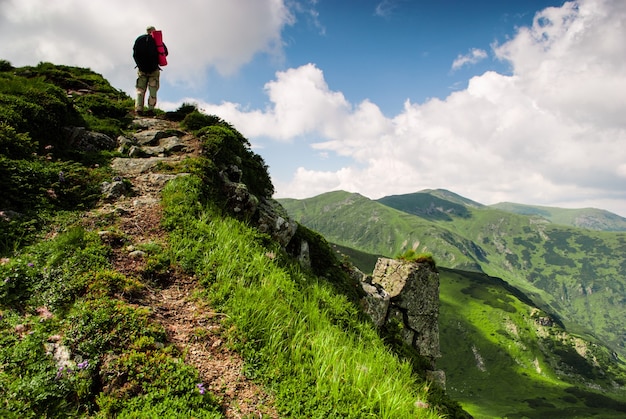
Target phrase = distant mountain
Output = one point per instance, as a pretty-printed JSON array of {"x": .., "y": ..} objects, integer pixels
[
  {"x": 441, "y": 204},
  {"x": 543, "y": 340},
  {"x": 355, "y": 221},
  {"x": 505, "y": 357},
  {"x": 577, "y": 273},
  {"x": 452, "y": 197},
  {"x": 427, "y": 205},
  {"x": 591, "y": 218}
]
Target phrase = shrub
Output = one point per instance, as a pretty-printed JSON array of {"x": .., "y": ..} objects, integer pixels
[
  {"x": 40, "y": 110},
  {"x": 107, "y": 325},
  {"x": 31, "y": 383},
  {"x": 226, "y": 147},
  {"x": 153, "y": 384},
  {"x": 195, "y": 120},
  {"x": 412, "y": 256},
  {"x": 5, "y": 66},
  {"x": 32, "y": 186},
  {"x": 181, "y": 113},
  {"x": 14, "y": 145}
]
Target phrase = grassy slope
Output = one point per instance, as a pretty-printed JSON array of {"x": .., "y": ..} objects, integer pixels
[
  {"x": 590, "y": 218},
  {"x": 528, "y": 370},
  {"x": 569, "y": 271},
  {"x": 508, "y": 365},
  {"x": 510, "y": 385},
  {"x": 574, "y": 271},
  {"x": 355, "y": 221},
  {"x": 302, "y": 338}
]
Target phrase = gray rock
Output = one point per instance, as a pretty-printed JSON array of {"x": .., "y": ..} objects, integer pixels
[
  {"x": 375, "y": 303},
  {"x": 165, "y": 147},
  {"x": 8, "y": 215},
  {"x": 112, "y": 191},
  {"x": 406, "y": 293},
  {"x": 151, "y": 137},
  {"x": 81, "y": 139},
  {"x": 273, "y": 220},
  {"x": 135, "y": 166},
  {"x": 137, "y": 254},
  {"x": 304, "y": 256}
]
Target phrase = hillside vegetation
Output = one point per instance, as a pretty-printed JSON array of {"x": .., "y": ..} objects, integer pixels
[
  {"x": 532, "y": 343},
  {"x": 588, "y": 218},
  {"x": 577, "y": 274},
  {"x": 82, "y": 330}
]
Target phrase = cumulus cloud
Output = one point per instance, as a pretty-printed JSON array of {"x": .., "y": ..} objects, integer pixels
[
  {"x": 302, "y": 104},
  {"x": 551, "y": 133},
  {"x": 222, "y": 35},
  {"x": 474, "y": 56}
]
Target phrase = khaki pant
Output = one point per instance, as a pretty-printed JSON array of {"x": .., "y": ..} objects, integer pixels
[{"x": 148, "y": 81}]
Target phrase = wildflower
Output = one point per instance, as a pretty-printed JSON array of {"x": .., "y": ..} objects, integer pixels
[
  {"x": 61, "y": 177},
  {"x": 201, "y": 389},
  {"x": 30, "y": 264},
  {"x": 83, "y": 365}
]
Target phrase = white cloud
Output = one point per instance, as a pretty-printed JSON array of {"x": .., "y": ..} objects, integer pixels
[
  {"x": 474, "y": 56},
  {"x": 551, "y": 133},
  {"x": 573, "y": 60},
  {"x": 223, "y": 35},
  {"x": 385, "y": 8}
]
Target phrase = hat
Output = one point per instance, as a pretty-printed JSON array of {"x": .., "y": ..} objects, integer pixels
[{"x": 150, "y": 28}]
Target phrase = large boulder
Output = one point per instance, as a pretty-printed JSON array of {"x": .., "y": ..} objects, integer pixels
[
  {"x": 406, "y": 293},
  {"x": 79, "y": 138},
  {"x": 273, "y": 220}
]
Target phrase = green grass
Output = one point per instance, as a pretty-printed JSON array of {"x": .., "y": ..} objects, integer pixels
[
  {"x": 573, "y": 272},
  {"x": 62, "y": 294},
  {"x": 298, "y": 336},
  {"x": 509, "y": 365}
]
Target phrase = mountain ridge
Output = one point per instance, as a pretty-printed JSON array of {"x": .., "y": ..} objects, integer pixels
[
  {"x": 136, "y": 250},
  {"x": 512, "y": 332},
  {"x": 565, "y": 269},
  {"x": 78, "y": 309},
  {"x": 591, "y": 218}
]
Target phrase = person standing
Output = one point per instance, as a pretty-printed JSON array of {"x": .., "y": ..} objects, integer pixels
[{"x": 146, "y": 56}]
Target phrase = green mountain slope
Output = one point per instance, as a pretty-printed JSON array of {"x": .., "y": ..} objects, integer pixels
[
  {"x": 590, "y": 218},
  {"x": 578, "y": 274},
  {"x": 355, "y": 221},
  {"x": 116, "y": 305},
  {"x": 504, "y": 357}
]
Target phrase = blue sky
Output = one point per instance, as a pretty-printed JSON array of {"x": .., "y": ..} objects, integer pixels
[
  {"x": 385, "y": 51},
  {"x": 497, "y": 101}
]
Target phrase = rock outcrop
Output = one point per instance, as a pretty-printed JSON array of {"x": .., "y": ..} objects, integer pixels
[
  {"x": 156, "y": 142},
  {"x": 406, "y": 294}
]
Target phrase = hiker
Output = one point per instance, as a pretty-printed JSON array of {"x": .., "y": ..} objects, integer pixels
[{"x": 146, "y": 56}]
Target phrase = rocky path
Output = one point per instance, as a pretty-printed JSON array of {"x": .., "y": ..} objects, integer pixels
[{"x": 190, "y": 323}]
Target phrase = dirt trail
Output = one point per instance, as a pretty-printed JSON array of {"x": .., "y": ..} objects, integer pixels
[{"x": 190, "y": 323}]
